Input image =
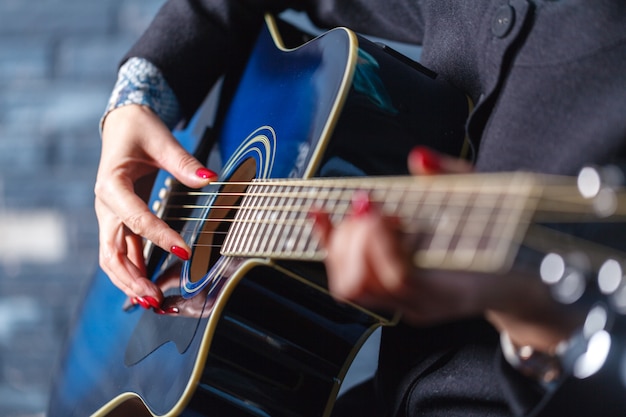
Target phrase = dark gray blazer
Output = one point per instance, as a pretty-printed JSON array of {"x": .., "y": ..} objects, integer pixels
[{"x": 549, "y": 82}]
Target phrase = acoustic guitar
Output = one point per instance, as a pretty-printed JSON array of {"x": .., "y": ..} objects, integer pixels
[{"x": 255, "y": 331}]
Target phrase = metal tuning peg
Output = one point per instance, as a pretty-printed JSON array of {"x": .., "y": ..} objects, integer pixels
[
  {"x": 599, "y": 185},
  {"x": 612, "y": 283},
  {"x": 567, "y": 276}
]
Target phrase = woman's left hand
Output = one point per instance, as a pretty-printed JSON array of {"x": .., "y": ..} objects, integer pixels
[{"x": 367, "y": 263}]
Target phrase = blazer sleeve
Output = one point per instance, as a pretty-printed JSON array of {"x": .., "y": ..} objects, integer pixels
[{"x": 194, "y": 42}]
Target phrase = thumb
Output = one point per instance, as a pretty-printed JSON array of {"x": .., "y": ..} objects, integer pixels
[
  {"x": 185, "y": 167},
  {"x": 172, "y": 157}
]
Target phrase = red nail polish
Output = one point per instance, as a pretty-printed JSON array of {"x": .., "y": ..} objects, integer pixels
[
  {"x": 206, "y": 174},
  {"x": 317, "y": 215},
  {"x": 169, "y": 310},
  {"x": 361, "y": 203},
  {"x": 140, "y": 301},
  {"x": 426, "y": 158},
  {"x": 180, "y": 252},
  {"x": 320, "y": 218},
  {"x": 152, "y": 302}
]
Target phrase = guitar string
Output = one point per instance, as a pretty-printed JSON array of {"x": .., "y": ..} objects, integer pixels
[
  {"x": 555, "y": 202},
  {"x": 543, "y": 209},
  {"x": 297, "y": 224},
  {"x": 555, "y": 205}
]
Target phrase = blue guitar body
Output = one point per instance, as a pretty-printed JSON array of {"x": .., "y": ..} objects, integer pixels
[{"x": 254, "y": 336}]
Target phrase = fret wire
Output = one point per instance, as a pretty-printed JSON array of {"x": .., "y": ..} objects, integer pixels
[
  {"x": 303, "y": 234},
  {"x": 473, "y": 228},
  {"x": 276, "y": 201},
  {"x": 506, "y": 233},
  {"x": 340, "y": 205},
  {"x": 236, "y": 237},
  {"x": 415, "y": 208},
  {"x": 275, "y": 216},
  {"x": 394, "y": 201},
  {"x": 494, "y": 239},
  {"x": 429, "y": 211},
  {"x": 294, "y": 231},
  {"x": 290, "y": 231},
  {"x": 281, "y": 241},
  {"x": 268, "y": 202},
  {"x": 383, "y": 197},
  {"x": 326, "y": 204},
  {"x": 297, "y": 231},
  {"x": 330, "y": 204},
  {"x": 312, "y": 240},
  {"x": 248, "y": 215},
  {"x": 258, "y": 212},
  {"x": 278, "y": 241},
  {"x": 451, "y": 218},
  {"x": 279, "y": 226},
  {"x": 271, "y": 230},
  {"x": 434, "y": 215}
]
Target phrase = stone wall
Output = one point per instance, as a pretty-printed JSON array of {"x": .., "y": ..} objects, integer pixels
[{"x": 58, "y": 62}]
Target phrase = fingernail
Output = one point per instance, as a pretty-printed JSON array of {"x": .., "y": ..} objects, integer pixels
[
  {"x": 361, "y": 203},
  {"x": 426, "y": 158},
  {"x": 168, "y": 310},
  {"x": 180, "y": 252},
  {"x": 317, "y": 215},
  {"x": 206, "y": 174},
  {"x": 140, "y": 301},
  {"x": 152, "y": 302}
]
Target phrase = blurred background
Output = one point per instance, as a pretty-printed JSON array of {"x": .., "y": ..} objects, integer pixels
[{"x": 58, "y": 62}]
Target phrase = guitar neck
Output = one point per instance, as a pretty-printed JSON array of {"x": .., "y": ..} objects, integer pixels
[{"x": 458, "y": 222}]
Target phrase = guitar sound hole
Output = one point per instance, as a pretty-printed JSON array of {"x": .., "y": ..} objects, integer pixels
[{"x": 219, "y": 219}]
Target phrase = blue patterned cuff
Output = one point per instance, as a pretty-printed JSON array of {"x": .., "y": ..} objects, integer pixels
[{"x": 140, "y": 82}]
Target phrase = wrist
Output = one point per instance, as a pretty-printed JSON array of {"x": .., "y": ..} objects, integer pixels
[
  {"x": 544, "y": 367},
  {"x": 548, "y": 367},
  {"x": 140, "y": 82}
]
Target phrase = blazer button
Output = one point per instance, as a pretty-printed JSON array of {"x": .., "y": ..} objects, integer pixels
[{"x": 503, "y": 21}]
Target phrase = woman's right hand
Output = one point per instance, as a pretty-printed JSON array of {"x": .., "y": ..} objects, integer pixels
[{"x": 135, "y": 144}]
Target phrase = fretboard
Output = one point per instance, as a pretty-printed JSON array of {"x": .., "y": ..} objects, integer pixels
[{"x": 462, "y": 222}]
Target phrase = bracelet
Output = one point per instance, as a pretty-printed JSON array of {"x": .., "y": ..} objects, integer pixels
[
  {"x": 582, "y": 355},
  {"x": 543, "y": 367}
]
